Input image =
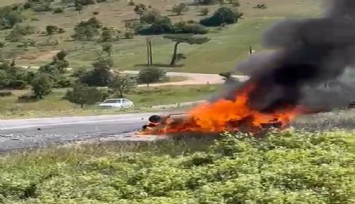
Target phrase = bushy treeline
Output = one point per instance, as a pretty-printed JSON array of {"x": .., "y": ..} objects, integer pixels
[
  {"x": 152, "y": 22},
  {"x": 85, "y": 86},
  {"x": 288, "y": 167}
]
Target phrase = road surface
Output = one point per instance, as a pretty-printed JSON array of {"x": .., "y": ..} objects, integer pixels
[{"x": 32, "y": 133}]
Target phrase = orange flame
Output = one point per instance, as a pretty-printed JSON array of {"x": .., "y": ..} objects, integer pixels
[{"x": 226, "y": 115}]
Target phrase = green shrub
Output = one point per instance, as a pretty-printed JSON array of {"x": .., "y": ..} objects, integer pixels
[
  {"x": 281, "y": 167},
  {"x": 17, "y": 84},
  {"x": 207, "y": 2},
  {"x": 131, "y": 3},
  {"x": 63, "y": 82},
  {"x": 58, "y": 10},
  {"x": 10, "y": 16},
  {"x": 129, "y": 35},
  {"x": 223, "y": 15},
  {"x": 204, "y": 11},
  {"x": 87, "y": 30},
  {"x": 5, "y": 93},
  {"x": 26, "y": 98},
  {"x": 193, "y": 28},
  {"x": 180, "y": 8},
  {"x": 260, "y": 6},
  {"x": 41, "y": 6},
  {"x": 159, "y": 26}
]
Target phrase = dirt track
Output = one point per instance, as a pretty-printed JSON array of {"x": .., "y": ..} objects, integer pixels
[{"x": 191, "y": 78}]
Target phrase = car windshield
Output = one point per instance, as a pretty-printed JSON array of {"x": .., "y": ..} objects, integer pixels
[{"x": 112, "y": 101}]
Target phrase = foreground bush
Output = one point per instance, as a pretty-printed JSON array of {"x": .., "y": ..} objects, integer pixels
[{"x": 285, "y": 167}]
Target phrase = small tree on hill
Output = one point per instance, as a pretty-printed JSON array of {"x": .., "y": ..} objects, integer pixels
[
  {"x": 58, "y": 64},
  {"x": 204, "y": 11},
  {"x": 107, "y": 48},
  {"x": 151, "y": 16},
  {"x": 180, "y": 8},
  {"x": 100, "y": 75},
  {"x": 109, "y": 35},
  {"x": 184, "y": 38},
  {"x": 139, "y": 9},
  {"x": 150, "y": 75},
  {"x": 82, "y": 94},
  {"x": 87, "y": 30},
  {"x": 51, "y": 29},
  {"x": 41, "y": 85},
  {"x": 122, "y": 84}
]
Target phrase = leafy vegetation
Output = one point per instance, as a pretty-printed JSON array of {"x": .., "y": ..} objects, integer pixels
[
  {"x": 150, "y": 75},
  {"x": 82, "y": 94},
  {"x": 223, "y": 15},
  {"x": 87, "y": 30},
  {"x": 122, "y": 84},
  {"x": 180, "y": 8},
  {"x": 286, "y": 167},
  {"x": 41, "y": 85}
]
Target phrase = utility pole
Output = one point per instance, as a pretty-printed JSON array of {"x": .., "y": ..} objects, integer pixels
[
  {"x": 251, "y": 50},
  {"x": 149, "y": 51}
]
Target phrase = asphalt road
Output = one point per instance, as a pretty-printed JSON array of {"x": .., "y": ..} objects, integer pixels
[{"x": 32, "y": 133}]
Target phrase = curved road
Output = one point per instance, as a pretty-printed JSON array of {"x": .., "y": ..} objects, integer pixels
[{"x": 31, "y": 133}]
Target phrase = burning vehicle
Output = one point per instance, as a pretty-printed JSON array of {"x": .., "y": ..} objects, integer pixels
[{"x": 274, "y": 95}]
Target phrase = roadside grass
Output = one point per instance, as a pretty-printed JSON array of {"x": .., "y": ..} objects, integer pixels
[
  {"x": 228, "y": 46},
  {"x": 144, "y": 98},
  {"x": 292, "y": 166}
]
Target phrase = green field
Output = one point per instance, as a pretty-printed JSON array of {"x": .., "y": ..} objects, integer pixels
[
  {"x": 144, "y": 98},
  {"x": 227, "y": 47}
]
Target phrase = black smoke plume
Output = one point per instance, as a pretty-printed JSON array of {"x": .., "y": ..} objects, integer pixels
[{"x": 308, "y": 53}]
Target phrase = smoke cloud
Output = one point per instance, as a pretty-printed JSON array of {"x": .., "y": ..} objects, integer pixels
[{"x": 309, "y": 52}]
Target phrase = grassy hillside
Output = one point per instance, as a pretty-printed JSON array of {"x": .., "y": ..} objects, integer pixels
[
  {"x": 227, "y": 47},
  {"x": 289, "y": 167}
]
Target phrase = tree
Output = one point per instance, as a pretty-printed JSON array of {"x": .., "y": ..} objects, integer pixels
[
  {"x": 206, "y": 2},
  {"x": 223, "y": 15},
  {"x": 87, "y": 30},
  {"x": 41, "y": 85},
  {"x": 184, "y": 38},
  {"x": 204, "y": 11},
  {"x": 107, "y": 48},
  {"x": 109, "y": 35},
  {"x": 122, "y": 84},
  {"x": 100, "y": 75},
  {"x": 57, "y": 66},
  {"x": 150, "y": 75},
  {"x": 50, "y": 29},
  {"x": 151, "y": 16},
  {"x": 189, "y": 27},
  {"x": 82, "y": 94},
  {"x": 180, "y": 8},
  {"x": 139, "y": 9}
]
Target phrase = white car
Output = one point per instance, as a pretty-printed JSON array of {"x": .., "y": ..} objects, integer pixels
[{"x": 117, "y": 103}]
